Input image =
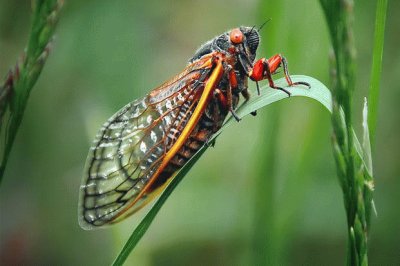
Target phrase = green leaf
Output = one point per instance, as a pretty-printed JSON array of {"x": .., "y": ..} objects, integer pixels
[
  {"x": 318, "y": 92},
  {"x": 376, "y": 66}
]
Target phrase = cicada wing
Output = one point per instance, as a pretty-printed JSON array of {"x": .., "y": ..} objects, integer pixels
[
  {"x": 129, "y": 149},
  {"x": 119, "y": 162}
]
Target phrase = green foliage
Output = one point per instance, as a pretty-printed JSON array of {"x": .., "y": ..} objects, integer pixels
[
  {"x": 15, "y": 92},
  {"x": 268, "y": 96}
]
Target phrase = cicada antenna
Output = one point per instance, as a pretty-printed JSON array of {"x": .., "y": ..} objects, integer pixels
[
  {"x": 265, "y": 22},
  {"x": 252, "y": 28}
]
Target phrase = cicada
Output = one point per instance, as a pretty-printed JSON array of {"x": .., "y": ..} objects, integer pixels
[{"x": 137, "y": 151}]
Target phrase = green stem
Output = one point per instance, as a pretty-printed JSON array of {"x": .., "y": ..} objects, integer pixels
[
  {"x": 354, "y": 175},
  {"x": 15, "y": 92}
]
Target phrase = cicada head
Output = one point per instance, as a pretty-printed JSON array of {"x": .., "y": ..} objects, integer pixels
[
  {"x": 239, "y": 43},
  {"x": 251, "y": 41}
]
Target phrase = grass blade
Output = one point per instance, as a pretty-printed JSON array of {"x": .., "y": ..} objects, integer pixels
[
  {"x": 376, "y": 71},
  {"x": 15, "y": 91}
]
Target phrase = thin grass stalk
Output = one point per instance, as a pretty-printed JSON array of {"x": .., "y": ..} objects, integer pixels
[
  {"x": 354, "y": 173},
  {"x": 15, "y": 91}
]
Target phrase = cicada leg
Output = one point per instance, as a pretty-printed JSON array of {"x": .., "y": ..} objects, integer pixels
[
  {"x": 233, "y": 85},
  {"x": 246, "y": 95},
  {"x": 226, "y": 100},
  {"x": 265, "y": 68}
]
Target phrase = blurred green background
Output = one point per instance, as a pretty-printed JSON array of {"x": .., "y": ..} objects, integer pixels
[{"x": 107, "y": 53}]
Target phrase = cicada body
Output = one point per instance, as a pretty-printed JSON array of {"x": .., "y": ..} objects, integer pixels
[{"x": 137, "y": 151}]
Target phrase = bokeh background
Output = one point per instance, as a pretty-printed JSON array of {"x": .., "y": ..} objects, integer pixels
[{"x": 266, "y": 194}]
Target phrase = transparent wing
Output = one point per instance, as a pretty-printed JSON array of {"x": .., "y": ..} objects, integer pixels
[{"x": 131, "y": 145}]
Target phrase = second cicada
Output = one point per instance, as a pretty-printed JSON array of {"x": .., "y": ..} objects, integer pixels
[{"x": 138, "y": 150}]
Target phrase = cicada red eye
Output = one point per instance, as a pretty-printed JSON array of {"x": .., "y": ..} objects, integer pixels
[{"x": 236, "y": 36}]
